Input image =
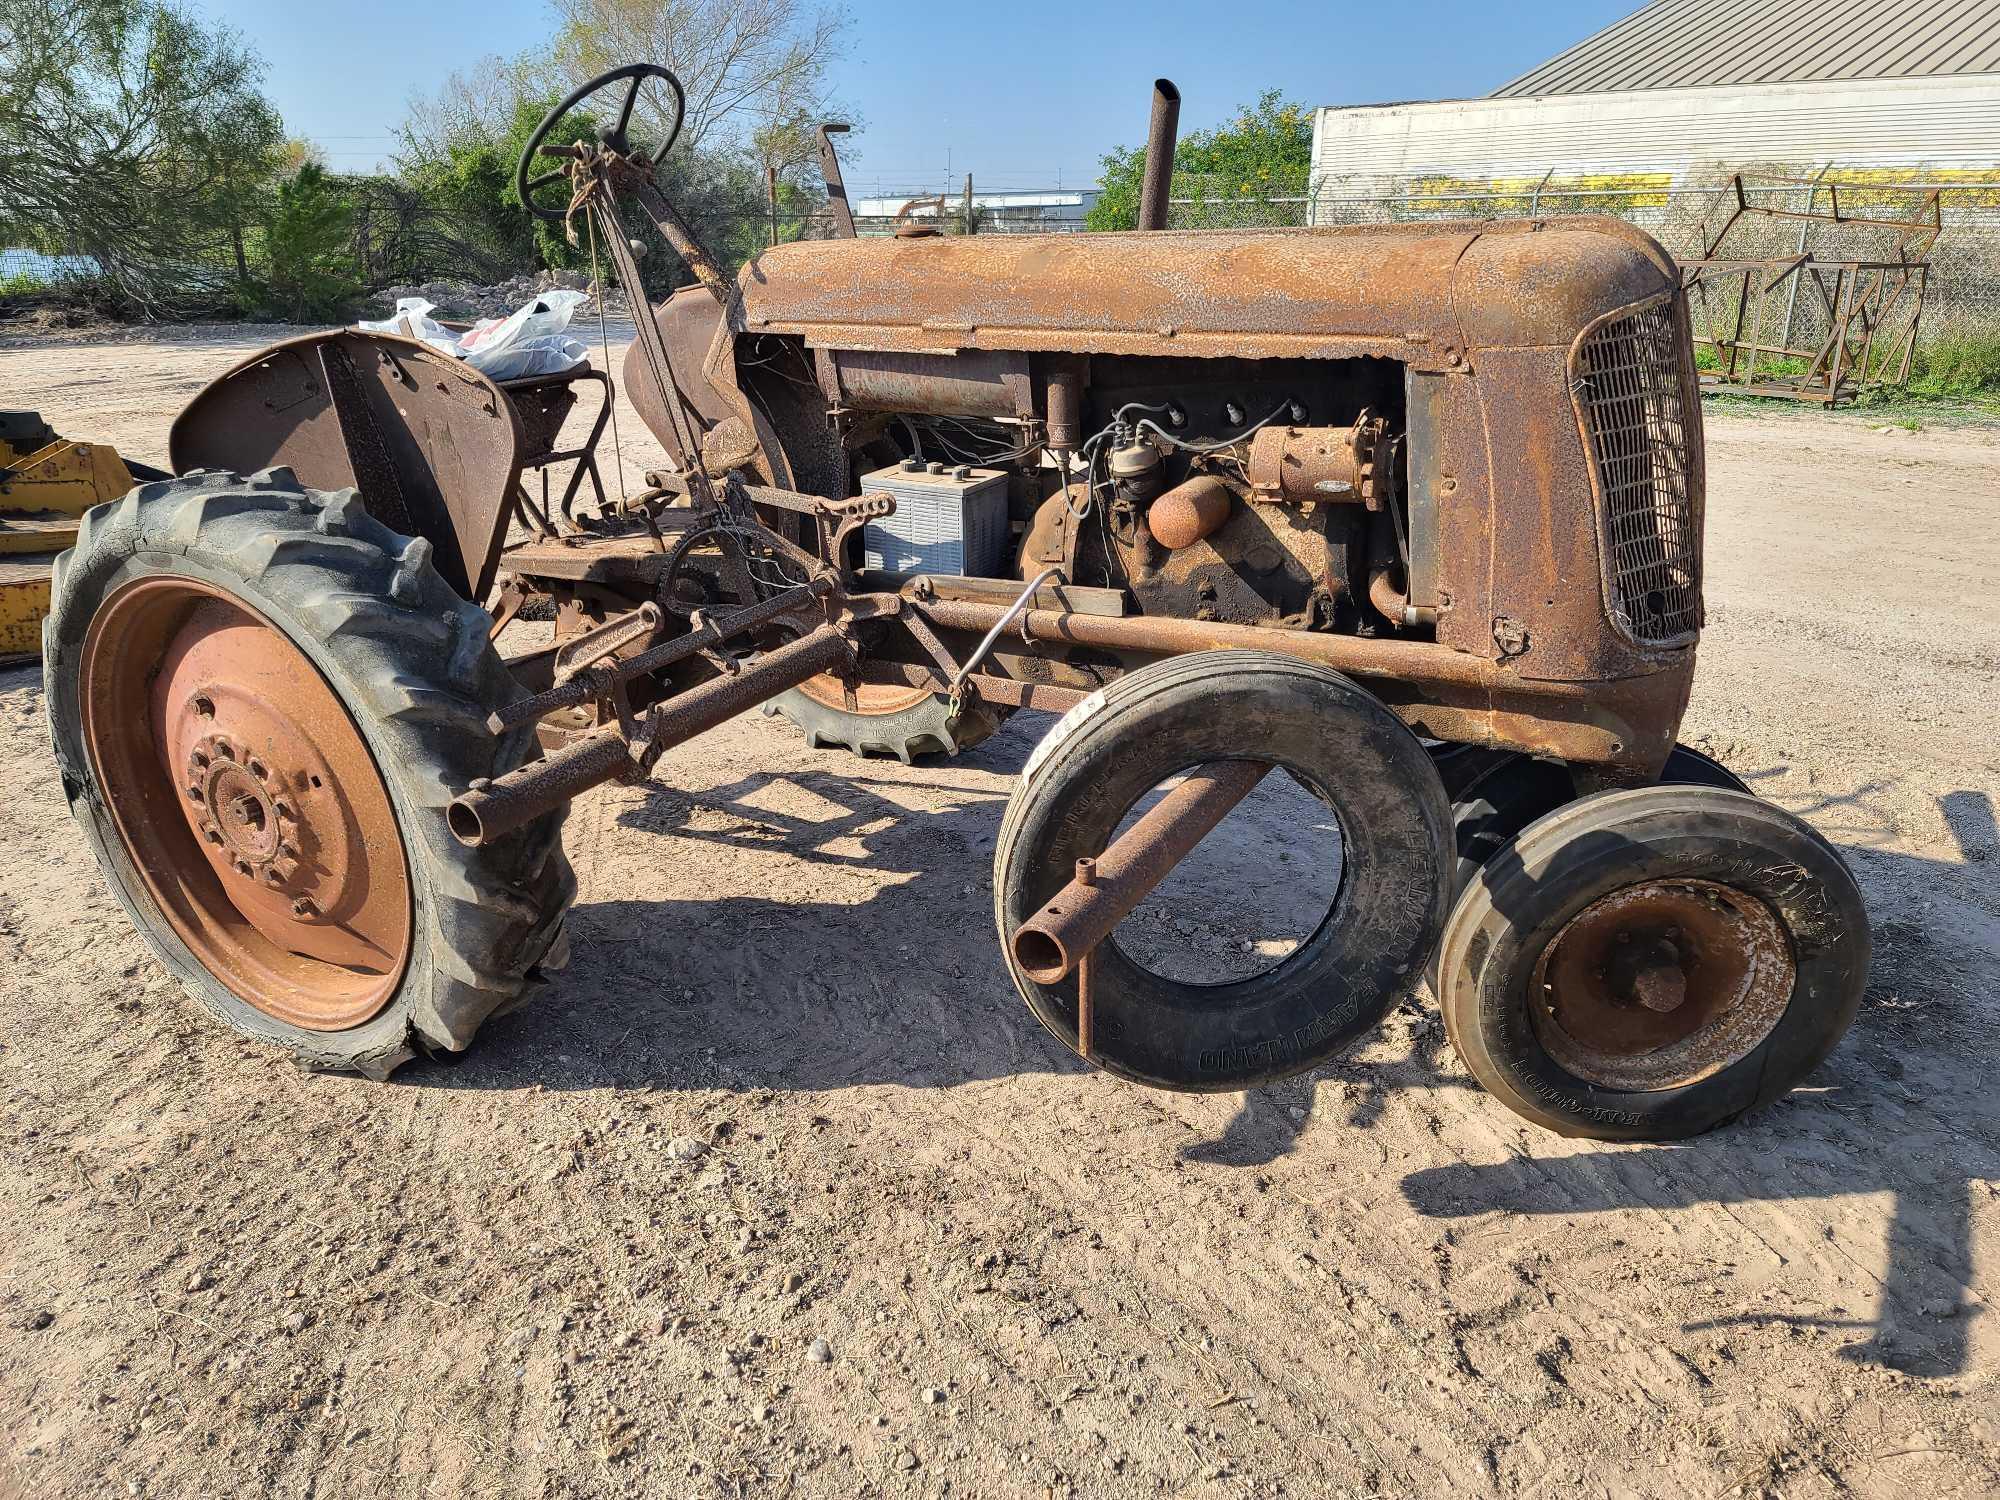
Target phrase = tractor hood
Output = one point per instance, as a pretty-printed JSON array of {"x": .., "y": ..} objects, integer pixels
[{"x": 1417, "y": 292}]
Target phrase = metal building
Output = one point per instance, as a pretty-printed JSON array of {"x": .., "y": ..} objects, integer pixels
[
  {"x": 1682, "y": 91},
  {"x": 1031, "y": 211}
]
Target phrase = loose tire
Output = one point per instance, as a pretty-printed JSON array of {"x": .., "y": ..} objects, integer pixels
[
  {"x": 1337, "y": 740},
  {"x": 1650, "y": 964},
  {"x": 883, "y": 720},
  {"x": 261, "y": 702}
]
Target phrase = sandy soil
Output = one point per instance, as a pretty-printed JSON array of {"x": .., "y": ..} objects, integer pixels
[{"x": 785, "y": 1094}]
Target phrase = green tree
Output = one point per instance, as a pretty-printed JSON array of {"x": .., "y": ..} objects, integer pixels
[
  {"x": 134, "y": 134},
  {"x": 754, "y": 75},
  {"x": 307, "y": 239},
  {"x": 468, "y": 172},
  {"x": 1231, "y": 174}
]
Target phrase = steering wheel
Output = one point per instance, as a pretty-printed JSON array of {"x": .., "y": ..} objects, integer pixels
[{"x": 612, "y": 138}]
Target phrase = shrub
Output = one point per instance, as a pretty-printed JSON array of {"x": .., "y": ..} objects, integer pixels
[
  {"x": 1963, "y": 366},
  {"x": 312, "y": 277}
]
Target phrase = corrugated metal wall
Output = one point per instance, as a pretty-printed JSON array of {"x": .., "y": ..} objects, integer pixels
[{"x": 1951, "y": 123}]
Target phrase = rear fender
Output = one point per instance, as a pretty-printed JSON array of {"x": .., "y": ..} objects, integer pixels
[{"x": 433, "y": 446}]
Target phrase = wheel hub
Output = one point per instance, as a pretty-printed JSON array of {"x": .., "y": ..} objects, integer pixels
[
  {"x": 1661, "y": 984},
  {"x": 239, "y": 811}
]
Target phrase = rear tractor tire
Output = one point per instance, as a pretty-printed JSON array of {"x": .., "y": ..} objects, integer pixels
[
  {"x": 1646, "y": 965},
  {"x": 881, "y": 720},
  {"x": 262, "y": 701}
]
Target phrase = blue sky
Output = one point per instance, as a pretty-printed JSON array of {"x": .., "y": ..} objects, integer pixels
[{"x": 1022, "y": 93}]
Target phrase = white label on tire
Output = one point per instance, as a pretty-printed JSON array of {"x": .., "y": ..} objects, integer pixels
[{"x": 1066, "y": 726}]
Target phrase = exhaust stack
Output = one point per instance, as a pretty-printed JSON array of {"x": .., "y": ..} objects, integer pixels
[{"x": 1161, "y": 137}]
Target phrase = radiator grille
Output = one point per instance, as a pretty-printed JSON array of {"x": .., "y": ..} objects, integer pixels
[{"x": 1633, "y": 395}]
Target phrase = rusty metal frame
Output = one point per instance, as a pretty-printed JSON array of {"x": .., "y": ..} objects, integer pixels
[
  {"x": 544, "y": 396},
  {"x": 1925, "y": 222},
  {"x": 1872, "y": 305}
]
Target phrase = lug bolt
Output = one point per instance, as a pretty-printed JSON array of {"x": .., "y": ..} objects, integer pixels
[
  {"x": 194, "y": 794},
  {"x": 223, "y": 751},
  {"x": 210, "y": 832},
  {"x": 203, "y": 705},
  {"x": 304, "y": 906},
  {"x": 243, "y": 867},
  {"x": 273, "y": 879},
  {"x": 258, "y": 770}
]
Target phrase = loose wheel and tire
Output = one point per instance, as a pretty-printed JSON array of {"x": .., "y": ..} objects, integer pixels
[
  {"x": 1650, "y": 964},
  {"x": 875, "y": 717},
  {"x": 261, "y": 702},
  {"x": 1367, "y": 951}
]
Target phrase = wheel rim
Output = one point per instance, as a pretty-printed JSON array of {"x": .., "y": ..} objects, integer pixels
[
  {"x": 871, "y": 700},
  {"x": 247, "y": 801},
  {"x": 1661, "y": 984}
]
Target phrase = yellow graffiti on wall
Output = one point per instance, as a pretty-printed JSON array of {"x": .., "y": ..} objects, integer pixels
[
  {"x": 1622, "y": 192},
  {"x": 1595, "y": 192}
]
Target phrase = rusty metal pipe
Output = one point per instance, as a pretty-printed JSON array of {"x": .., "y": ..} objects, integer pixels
[
  {"x": 485, "y": 813},
  {"x": 1051, "y": 943},
  {"x": 720, "y": 699},
  {"x": 597, "y": 682},
  {"x": 1161, "y": 136},
  {"x": 1421, "y": 662},
  {"x": 1190, "y": 511},
  {"x": 1391, "y": 601}
]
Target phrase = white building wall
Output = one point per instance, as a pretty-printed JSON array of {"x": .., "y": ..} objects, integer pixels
[{"x": 1946, "y": 123}]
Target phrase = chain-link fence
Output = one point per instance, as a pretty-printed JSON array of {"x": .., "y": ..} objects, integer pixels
[
  {"x": 1963, "y": 297},
  {"x": 26, "y": 269}
]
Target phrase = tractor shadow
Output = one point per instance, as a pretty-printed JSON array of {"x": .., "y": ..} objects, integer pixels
[
  {"x": 871, "y": 959},
  {"x": 865, "y": 955},
  {"x": 1901, "y": 1111}
]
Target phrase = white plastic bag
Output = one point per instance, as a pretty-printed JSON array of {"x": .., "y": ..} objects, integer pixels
[
  {"x": 530, "y": 341},
  {"x": 413, "y": 319},
  {"x": 548, "y": 355}
]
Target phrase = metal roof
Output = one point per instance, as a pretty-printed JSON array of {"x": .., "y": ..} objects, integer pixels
[{"x": 1693, "y": 43}]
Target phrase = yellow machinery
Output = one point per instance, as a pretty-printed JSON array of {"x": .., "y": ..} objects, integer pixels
[{"x": 46, "y": 484}]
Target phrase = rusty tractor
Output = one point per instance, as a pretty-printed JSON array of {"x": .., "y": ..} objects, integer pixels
[{"x": 1409, "y": 514}]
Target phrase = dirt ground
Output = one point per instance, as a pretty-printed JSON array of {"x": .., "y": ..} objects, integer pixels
[{"x": 786, "y": 1095}]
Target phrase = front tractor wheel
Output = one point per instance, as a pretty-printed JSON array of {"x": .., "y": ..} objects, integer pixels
[
  {"x": 1650, "y": 964},
  {"x": 261, "y": 701}
]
